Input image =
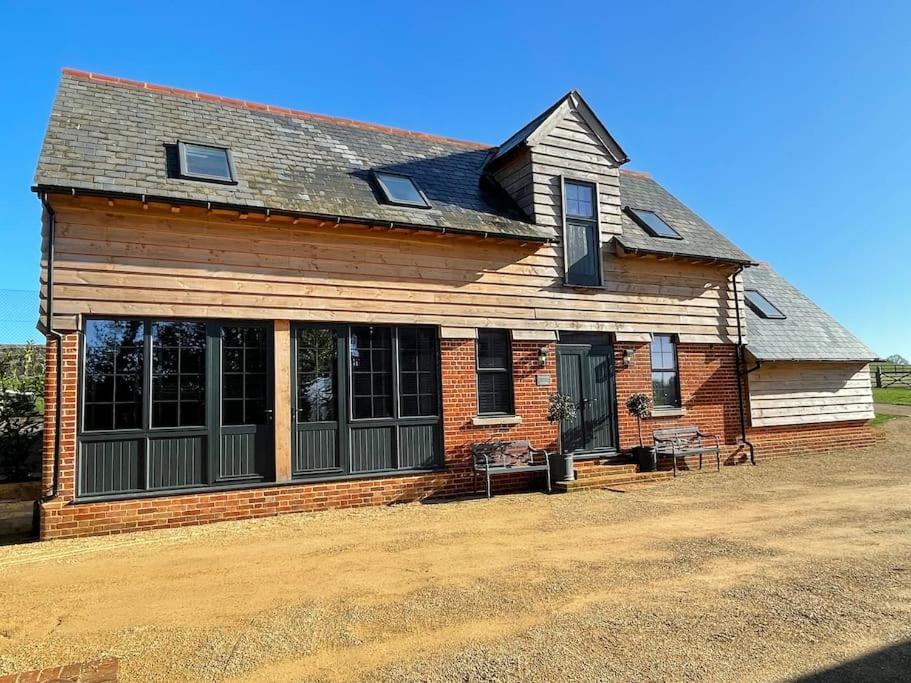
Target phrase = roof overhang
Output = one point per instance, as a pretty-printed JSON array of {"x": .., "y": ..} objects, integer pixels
[
  {"x": 268, "y": 211},
  {"x": 626, "y": 250}
]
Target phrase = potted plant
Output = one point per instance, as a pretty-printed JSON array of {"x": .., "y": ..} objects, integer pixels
[
  {"x": 561, "y": 408},
  {"x": 640, "y": 406}
]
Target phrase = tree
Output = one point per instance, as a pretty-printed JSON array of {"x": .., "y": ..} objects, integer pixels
[
  {"x": 897, "y": 359},
  {"x": 21, "y": 406}
]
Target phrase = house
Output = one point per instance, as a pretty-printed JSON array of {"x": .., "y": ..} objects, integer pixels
[{"x": 252, "y": 310}]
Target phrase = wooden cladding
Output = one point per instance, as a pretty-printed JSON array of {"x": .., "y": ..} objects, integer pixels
[
  {"x": 802, "y": 393},
  {"x": 125, "y": 261}
]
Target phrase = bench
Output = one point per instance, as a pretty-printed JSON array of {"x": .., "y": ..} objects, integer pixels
[
  {"x": 681, "y": 442},
  {"x": 507, "y": 457}
]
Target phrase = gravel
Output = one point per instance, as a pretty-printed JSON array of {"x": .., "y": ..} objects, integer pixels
[{"x": 770, "y": 573}]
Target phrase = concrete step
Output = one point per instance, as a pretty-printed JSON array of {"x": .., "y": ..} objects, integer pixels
[{"x": 614, "y": 480}]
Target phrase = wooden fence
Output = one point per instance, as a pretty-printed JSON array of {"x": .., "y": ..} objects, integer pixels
[{"x": 891, "y": 376}]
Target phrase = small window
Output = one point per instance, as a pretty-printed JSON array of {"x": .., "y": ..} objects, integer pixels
[
  {"x": 582, "y": 243},
  {"x": 401, "y": 189},
  {"x": 653, "y": 224},
  {"x": 114, "y": 366},
  {"x": 204, "y": 162},
  {"x": 665, "y": 378},
  {"x": 762, "y": 306},
  {"x": 178, "y": 374},
  {"x": 418, "y": 364},
  {"x": 494, "y": 370}
]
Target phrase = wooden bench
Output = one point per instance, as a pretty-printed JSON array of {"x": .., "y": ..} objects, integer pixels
[
  {"x": 507, "y": 457},
  {"x": 681, "y": 442}
]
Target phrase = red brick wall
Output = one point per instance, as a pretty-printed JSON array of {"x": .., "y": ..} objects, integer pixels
[
  {"x": 60, "y": 518},
  {"x": 708, "y": 391}
]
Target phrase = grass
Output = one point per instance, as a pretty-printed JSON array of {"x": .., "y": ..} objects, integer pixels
[
  {"x": 893, "y": 395},
  {"x": 881, "y": 420}
]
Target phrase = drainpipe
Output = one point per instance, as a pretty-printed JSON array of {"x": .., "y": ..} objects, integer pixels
[
  {"x": 50, "y": 331},
  {"x": 740, "y": 373}
]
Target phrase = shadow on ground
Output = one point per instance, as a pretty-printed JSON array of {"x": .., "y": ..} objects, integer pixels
[{"x": 889, "y": 664}]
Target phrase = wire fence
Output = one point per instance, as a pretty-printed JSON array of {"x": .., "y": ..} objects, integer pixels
[{"x": 18, "y": 317}]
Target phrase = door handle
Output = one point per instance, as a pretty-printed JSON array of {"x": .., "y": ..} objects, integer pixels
[{"x": 268, "y": 412}]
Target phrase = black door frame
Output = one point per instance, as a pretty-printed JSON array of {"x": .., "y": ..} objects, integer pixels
[{"x": 612, "y": 392}]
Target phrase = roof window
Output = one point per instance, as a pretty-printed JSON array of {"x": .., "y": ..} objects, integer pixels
[
  {"x": 400, "y": 189},
  {"x": 762, "y": 306},
  {"x": 653, "y": 224},
  {"x": 205, "y": 162}
]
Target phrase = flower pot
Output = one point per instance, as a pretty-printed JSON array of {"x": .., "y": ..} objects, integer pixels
[{"x": 646, "y": 457}]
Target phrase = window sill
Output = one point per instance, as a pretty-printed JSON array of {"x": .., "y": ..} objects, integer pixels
[
  {"x": 668, "y": 412},
  {"x": 495, "y": 420}
]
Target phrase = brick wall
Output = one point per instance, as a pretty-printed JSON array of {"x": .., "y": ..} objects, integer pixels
[
  {"x": 60, "y": 518},
  {"x": 708, "y": 392}
]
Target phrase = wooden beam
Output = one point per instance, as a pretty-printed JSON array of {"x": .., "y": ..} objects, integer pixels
[{"x": 282, "y": 417}]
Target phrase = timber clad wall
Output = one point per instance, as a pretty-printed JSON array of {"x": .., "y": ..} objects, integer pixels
[
  {"x": 800, "y": 393},
  {"x": 123, "y": 261}
]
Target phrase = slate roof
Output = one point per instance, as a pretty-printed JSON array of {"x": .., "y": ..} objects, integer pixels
[
  {"x": 807, "y": 332},
  {"x": 700, "y": 239},
  {"x": 110, "y": 135}
]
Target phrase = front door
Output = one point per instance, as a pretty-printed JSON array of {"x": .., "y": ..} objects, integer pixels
[
  {"x": 246, "y": 432},
  {"x": 585, "y": 373}
]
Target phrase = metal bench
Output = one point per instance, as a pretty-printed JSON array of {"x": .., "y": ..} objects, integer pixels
[
  {"x": 681, "y": 442},
  {"x": 507, "y": 457}
]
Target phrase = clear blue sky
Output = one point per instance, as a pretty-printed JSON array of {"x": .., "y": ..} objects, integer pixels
[{"x": 784, "y": 124}]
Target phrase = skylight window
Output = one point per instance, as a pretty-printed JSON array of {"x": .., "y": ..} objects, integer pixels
[
  {"x": 762, "y": 306},
  {"x": 205, "y": 162},
  {"x": 400, "y": 189},
  {"x": 653, "y": 224}
]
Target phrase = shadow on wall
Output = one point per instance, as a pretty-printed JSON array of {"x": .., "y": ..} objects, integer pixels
[{"x": 892, "y": 663}]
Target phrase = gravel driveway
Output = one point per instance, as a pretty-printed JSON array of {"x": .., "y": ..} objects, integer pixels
[{"x": 770, "y": 573}]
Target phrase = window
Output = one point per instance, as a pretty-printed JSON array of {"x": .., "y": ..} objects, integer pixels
[
  {"x": 178, "y": 374},
  {"x": 400, "y": 189},
  {"x": 114, "y": 364},
  {"x": 371, "y": 369},
  {"x": 204, "y": 162},
  {"x": 653, "y": 224},
  {"x": 762, "y": 306},
  {"x": 317, "y": 368},
  {"x": 494, "y": 369},
  {"x": 665, "y": 380},
  {"x": 417, "y": 372},
  {"x": 244, "y": 375},
  {"x": 582, "y": 243}
]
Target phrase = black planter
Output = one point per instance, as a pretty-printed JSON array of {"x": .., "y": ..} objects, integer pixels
[{"x": 646, "y": 457}]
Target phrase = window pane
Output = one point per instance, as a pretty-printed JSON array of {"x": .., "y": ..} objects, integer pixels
[
  {"x": 580, "y": 200},
  {"x": 494, "y": 392},
  {"x": 244, "y": 391},
  {"x": 207, "y": 161},
  {"x": 762, "y": 306},
  {"x": 654, "y": 224},
  {"x": 664, "y": 356},
  {"x": 317, "y": 366},
  {"x": 493, "y": 349},
  {"x": 371, "y": 364},
  {"x": 418, "y": 371},
  {"x": 400, "y": 189},
  {"x": 583, "y": 253},
  {"x": 113, "y": 374},
  {"x": 664, "y": 388},
  {"x": 178, "y": 374}
]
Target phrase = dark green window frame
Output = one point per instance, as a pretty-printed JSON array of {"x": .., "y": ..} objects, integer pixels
[
  {"x": 581, "y": 225},
  {"x": 664, "y": 347},
  {"x": 495, "y": 394}
]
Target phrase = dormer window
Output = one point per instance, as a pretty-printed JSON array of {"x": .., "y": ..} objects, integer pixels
[
  {"x": 206, "y": 162},
  {"x": 581, "y": 236},
  {"x": 653, "y": 224},
  {"x": 400, "y": 189},
  {"x": 762, "y": 306}
]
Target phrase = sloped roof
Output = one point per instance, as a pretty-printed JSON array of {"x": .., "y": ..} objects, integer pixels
[
  {"x": 806, "y": 333},
  {"x": 571, "y": 100},
  {"x": 111, "y": 135},
  {"x": 700, "y": 240}
]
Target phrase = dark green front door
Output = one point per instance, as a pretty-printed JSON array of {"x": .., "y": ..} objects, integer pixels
[{"x": 585, "y": 373}]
